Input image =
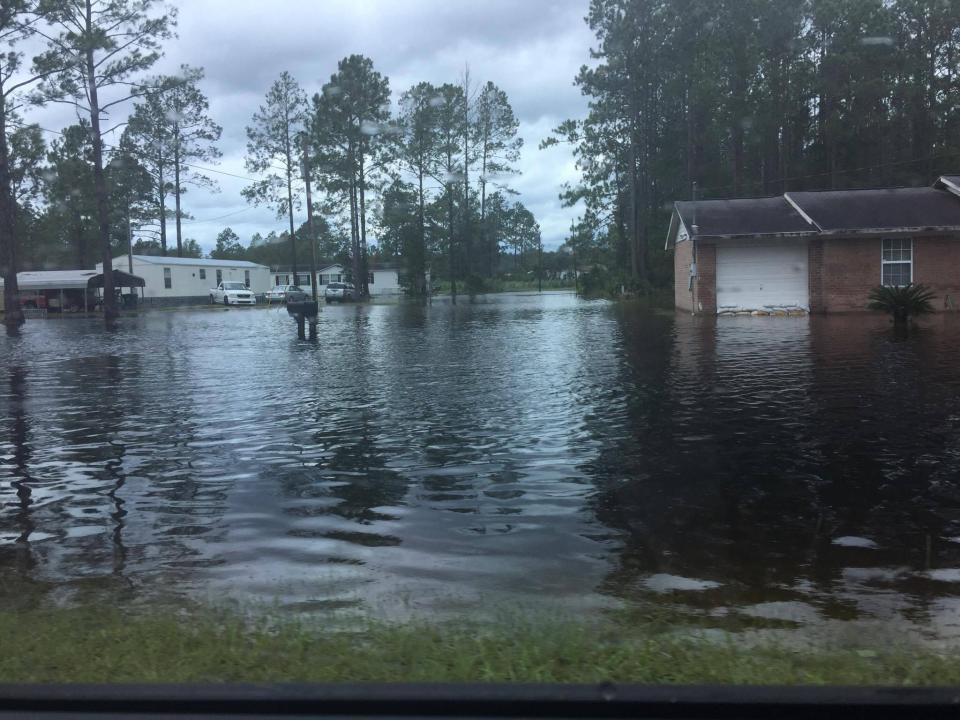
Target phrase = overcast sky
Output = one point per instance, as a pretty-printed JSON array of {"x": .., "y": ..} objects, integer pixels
[{"x": 532, "y": 49}]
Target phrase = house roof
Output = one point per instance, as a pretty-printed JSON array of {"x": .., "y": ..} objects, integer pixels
[
  {"x": 742, "y": 217},
  {"x": 196, "y": 262},
  {"x": 54, "y": 279},
  {"x": 120, "y": 280},
  {"x": 301, "y": 270},
  {"x": 871, "y": 211},
  {"x": 824, "y": 212}
]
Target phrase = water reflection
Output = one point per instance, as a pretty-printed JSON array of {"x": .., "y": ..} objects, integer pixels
[
  {"x": 807, "y": 463},
  {"x": 19, "y": 436},
  {"x": 524, "y": 448}
]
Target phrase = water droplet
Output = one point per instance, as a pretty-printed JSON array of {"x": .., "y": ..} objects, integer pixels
[
  {"x": 852, "y": 541},
  {"x": 877, "y": 40},
  {"x": 369, "y": 127},
  {"x": 437, "y": 101}
]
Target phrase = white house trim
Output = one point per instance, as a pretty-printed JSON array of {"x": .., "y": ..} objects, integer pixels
[{"x": 786, "y": 196}]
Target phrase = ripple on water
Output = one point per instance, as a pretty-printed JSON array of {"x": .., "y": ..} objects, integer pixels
[{"x": 541, "y": 448}]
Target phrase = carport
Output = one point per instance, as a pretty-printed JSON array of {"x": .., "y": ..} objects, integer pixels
[
  {"x": 56, "y": 290},
  {"x": 121, "y": 280}
]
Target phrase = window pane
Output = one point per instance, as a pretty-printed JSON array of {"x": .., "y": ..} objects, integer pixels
[{"x": 896, "y": 274}]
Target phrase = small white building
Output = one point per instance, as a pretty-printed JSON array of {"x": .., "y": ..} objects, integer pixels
[
  {"x": 383, "y": 280},
  {"x": 180, "y": 280},
  {"x": 283, "y": 275}
]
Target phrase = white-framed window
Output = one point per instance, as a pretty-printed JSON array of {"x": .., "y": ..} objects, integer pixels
[
  {"x": 167, "y": 280},
  {"x": 203, "y": 274},
  {"x": 246, "y": 278},
  {"x": 219, "y": 276},
  {"x": 896, "y": 262}
]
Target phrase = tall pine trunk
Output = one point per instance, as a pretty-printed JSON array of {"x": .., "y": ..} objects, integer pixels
[
  {"x": 176, "y": 187},
  {"x": 13, "y": 314},
  {"x": 365, "y": 277},
  {"x": 81, "y": 239},
  {"x": 162, "y": 196},
  {"x": 354, "y": 235},
  {"x": 289, "y": 167},
  {"x": 420, "y": 270},
  {"x": 100, "y": 182},
  {"x": 486, "y": 247},
  {"x": 451, "y": 247},
  {"x": 467, "y": 239}
]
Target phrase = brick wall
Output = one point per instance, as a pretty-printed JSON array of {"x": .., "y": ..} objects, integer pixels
[
  {"x": 704, "y": 296},
  {"x": 936, "y": 264},
  {"x": 815, "y": 275},
  {"x": 850, "y": 268},
  {"x": 706, "y": 278},
  {"x": 682, "y": 257}
]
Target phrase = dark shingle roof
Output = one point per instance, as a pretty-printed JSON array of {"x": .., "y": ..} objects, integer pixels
[
  {"x": 948, "y": 182},
  {"x": 748, "y": 216},
  {"x": 898, "y": 209}
]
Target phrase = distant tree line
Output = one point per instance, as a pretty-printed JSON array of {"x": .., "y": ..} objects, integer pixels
[
  {"x": 733, "y": 98},
  {"x": 425, "y": 186}
]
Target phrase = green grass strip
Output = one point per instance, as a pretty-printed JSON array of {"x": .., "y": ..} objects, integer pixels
[{"x": 86, "y": 645}]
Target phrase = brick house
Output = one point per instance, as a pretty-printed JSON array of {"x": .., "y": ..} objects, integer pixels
[{"x": 815, "y": 251}]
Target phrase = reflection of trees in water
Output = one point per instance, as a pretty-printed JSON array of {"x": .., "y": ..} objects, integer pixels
[
  {"x": 183, "y": 493},
  {"x": 351, "y": 469},
  {"x": 349, "y": 464},
  {"x": 749, "y": 451},
  {"x": 112, "y": 477},
  {"x": 19, "y": 553},
  {"x": 889, "y": 432},
  {"x": 707, "y": 481}
]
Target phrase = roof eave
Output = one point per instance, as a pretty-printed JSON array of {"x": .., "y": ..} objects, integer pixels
[
  {"x": 887, "y": 232},
  {"x": 761, "y": 236}
]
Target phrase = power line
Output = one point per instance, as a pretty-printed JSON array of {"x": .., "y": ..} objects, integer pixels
[
  {"x": 219, "y": 217},
  {"x": 117, "y": 147},
  {"x": 846, "y": 171}
]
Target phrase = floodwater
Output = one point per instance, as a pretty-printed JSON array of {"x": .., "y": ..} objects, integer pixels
[{"x": 520, "y": 450}]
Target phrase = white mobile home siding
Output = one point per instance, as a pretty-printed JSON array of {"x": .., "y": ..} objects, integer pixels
[
  {"x": 385, "y": 282},
  {"x": 191, "y": 280}
]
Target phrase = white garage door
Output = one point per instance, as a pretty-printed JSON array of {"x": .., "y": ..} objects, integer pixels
[{"x": 757, "y": 276}]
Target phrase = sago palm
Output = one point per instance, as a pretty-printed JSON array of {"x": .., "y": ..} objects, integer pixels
[{"x": 902, "y": 302}]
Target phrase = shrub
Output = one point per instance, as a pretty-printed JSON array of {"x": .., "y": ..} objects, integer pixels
[{"x": 902, "y": 302}]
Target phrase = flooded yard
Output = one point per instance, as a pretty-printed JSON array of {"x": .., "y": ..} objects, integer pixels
[{"x": 520, "y": 450}]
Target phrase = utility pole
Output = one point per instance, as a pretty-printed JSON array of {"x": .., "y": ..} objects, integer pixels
[
  {"x": 313, "y": 240},
  {"x": 129, "y": 241},
  {"x": 540, "y": 265}
]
